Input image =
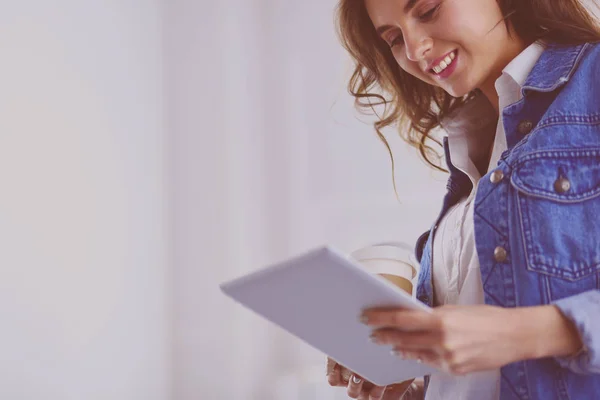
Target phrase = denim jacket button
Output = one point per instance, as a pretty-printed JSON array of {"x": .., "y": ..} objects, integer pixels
[
  {"x": 496, "y": 176},
  {"x": 500, "y": 254},
  {"x": 525, "y": 127},
  {"x": 562, "y": 185}
]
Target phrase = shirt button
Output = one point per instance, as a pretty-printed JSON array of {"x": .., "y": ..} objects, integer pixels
[
  {"x": 525, "y": 127},
  {"x": 496, "y": 176},
  {"x": 500, "y": 254},
  {"x": 562, "y": 185}
]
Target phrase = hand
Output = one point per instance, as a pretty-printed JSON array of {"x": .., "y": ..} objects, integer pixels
[
  {"x": 465, "y": 339},
  {"x": 358, "y": 388}
]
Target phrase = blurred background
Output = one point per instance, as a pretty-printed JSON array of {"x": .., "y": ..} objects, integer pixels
[{"x": 150, "y": 150}]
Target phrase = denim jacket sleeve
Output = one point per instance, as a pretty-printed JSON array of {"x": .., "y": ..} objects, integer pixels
[{"x": 584, "y": 311}]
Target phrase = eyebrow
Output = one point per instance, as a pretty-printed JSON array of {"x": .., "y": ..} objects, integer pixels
[{"x": 410, "y": 4}]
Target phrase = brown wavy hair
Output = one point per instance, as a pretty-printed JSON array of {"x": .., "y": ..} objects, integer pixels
[{"x": 416, "y": 107}]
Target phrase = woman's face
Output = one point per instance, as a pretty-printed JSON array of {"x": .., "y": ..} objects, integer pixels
[{"x": 458, "y": 45}]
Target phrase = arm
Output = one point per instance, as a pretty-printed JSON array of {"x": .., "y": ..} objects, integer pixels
[{"x": 466, "y": 339}]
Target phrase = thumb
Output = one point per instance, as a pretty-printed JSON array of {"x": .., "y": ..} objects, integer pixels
[{"x": 398, "y": 391}]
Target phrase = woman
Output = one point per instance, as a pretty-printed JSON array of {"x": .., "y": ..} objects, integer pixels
[{"x": 512, "y": 264}]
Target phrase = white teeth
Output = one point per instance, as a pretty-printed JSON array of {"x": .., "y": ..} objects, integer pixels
[{"x": 444, "y": 64}]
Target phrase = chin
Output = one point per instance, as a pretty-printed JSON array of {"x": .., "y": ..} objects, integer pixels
[
  {"x": 457, "y": 94},
  {"x": 459, "y": 91}
]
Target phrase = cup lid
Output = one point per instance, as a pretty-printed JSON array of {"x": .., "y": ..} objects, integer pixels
[{"x": 397, "y": 251}]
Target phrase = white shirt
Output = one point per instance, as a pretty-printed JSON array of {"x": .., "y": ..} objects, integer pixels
[{"x": 456, "y": 271}]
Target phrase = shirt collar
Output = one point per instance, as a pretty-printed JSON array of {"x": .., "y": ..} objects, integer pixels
[
  {"x": 476, "y": 114},
  {"x": 471, "y": 125},
  {"x": 522, "y": 65}
]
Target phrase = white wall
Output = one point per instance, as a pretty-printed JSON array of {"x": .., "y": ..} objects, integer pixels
[
  {"x": 268, "y": 159},
  {"x": 83, "y": 272},
  {"x": 102, "y": 294},
  {"x": 265, "y": 158}
]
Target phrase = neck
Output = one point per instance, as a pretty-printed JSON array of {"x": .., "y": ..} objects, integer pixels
[
  {"x": 489, "y": 91},
  {"x": 488, "y": 88}
]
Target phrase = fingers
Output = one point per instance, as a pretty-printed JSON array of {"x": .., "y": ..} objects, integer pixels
[
  {"x": 330, "y": 365},
  {"x": 334, "y": 376},
  {"x": 424, "y": 356},
  {"x": 407, "y": 320},
  {"x": 338, "y": 375},
  {"x": 355, "y": 385},
  {"x": 398, "y": 390},
  {"x": 433, "y": 358},
  {"x": 407, "y": 340},
  {"x": 376, "y": 393},
  {"x": 413, "y": 392},
  {"x": 346, "y": 375}
]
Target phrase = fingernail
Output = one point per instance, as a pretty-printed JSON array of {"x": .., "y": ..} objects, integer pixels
[
  {"x": 397, "y": 353},
  {"x": 364, "y": 319},
  {"x": 374, "y": 339},
  {"x": 356, "y": 379}
]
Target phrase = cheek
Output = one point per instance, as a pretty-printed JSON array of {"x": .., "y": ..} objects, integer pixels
[
  {"x": 412, "y": 69},
  {"x": 407, "y": 65},
  {"x": 474, "y": 24}
]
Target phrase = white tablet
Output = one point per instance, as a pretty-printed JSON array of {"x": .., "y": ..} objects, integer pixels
[{"x": 318, "y": 297}]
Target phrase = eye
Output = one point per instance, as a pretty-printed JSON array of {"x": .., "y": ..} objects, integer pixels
[
  {"x": 428, "y": 16},
  {"x": 397, "y": 40}
]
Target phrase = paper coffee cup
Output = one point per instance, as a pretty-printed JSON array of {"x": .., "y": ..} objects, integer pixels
[{"x": 393, "y": 261}]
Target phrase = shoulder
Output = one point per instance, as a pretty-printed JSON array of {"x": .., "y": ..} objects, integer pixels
[
  {"x": 591, "y": 53},
  {"x": 583, "y": 83},
  {"x": 589, "y": 61}
]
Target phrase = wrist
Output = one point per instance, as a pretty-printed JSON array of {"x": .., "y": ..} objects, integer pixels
[{"x": 545, "y": 332}]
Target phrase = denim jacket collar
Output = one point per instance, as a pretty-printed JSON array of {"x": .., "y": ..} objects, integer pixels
[{"x": 554, "y": 68}]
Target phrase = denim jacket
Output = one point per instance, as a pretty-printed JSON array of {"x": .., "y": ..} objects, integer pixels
[{"x": 537, "y": 219}]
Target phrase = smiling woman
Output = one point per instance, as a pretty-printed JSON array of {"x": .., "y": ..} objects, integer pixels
[
  {"x": 385, "y": 37},
  {"x": 511, "y": 263},
  {"x": 470, "y": 37}
]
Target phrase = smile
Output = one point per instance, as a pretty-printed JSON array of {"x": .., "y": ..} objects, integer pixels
[{"x": 445, "y": 67}]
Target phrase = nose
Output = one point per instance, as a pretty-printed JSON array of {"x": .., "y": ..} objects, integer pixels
[{"x": 417, "y": 45}]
